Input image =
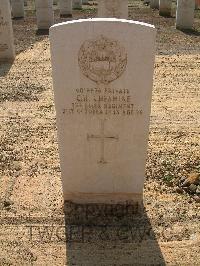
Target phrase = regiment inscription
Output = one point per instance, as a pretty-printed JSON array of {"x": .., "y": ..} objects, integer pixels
[{"x": 103, "y": 101}]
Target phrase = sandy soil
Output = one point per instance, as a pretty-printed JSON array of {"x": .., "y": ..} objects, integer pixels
[{"x": 33, "y": 227}]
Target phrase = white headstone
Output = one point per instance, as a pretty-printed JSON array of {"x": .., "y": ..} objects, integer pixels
[
  {"x": 165, "y": 7},
  {"x": 65, "y": 8},
  {"x": 77, "y": 4},
  {"x": 113, "y": 9},
  {"x": 154, "y": 4},
  {"x": 17, "y": 8},
  {"x": 185, "y": 14},
  {"x": 44, "y": 13},
  {"x": 102, "y": 76},
  {"x": 7, "y": 49}
]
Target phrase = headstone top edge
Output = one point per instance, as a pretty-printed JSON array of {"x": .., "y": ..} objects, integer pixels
[{"x": 55, "y": 26}]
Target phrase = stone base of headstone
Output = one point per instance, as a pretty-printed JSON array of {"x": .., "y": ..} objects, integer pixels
[
  {"x": 66, "y": 15},
  {"x": 17, "y": 18},
  {"x": 113, "y": 198},
  {"x": 185, "y": 14}
]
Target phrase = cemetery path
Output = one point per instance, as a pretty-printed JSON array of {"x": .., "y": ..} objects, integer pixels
[{"x": 32, "y": 222}]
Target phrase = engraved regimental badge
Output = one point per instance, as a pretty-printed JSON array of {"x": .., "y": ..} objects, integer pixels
[{"x": 102, "y": 60}]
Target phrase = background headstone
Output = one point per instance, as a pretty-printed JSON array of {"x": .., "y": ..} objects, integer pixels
[
  {"x": 185, "y": 14},
  {"x": 154, "y": 4},
  {"x": 77, "y": 4},
  {"x": 44, "y": 14},
  {"x": 17, "y": 8},
  {"x": 7, "y": 49},
  {"x": 197, "y": 4},
  {"x": 102, "y": 76},
  {"x": 113, "y": 9},
  {"x": 65, "y": 8},
  {"x": 165, "y": 7}
]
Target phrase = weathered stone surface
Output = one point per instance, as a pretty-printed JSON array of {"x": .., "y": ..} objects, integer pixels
[
  {"x": 185, "y": 14},
  {"x": 113, "y": 9},
  {"x": 7, "y": 50},
  {"x": 44, "y": 13},
  {"x": 17, "y": 8},
  {"x": 77, "y": 4},
  {"x": 154, "y": 4},
  {"x": 103, "y": 83},
  {"x": 165, "y": 7},
  {"x": 65, "y": 7}
]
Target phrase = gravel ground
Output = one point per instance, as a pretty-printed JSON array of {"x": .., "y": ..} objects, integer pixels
[{"x": 32, "y": 218}]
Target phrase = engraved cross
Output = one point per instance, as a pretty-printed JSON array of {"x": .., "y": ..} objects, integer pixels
[{"x": 102, "y": 137}]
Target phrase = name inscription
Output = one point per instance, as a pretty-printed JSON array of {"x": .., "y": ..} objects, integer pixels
[{"x": 103, "y": 101}]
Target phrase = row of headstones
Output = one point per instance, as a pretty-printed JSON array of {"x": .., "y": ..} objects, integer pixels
[
  {"x": 184, "y": 12},
  {"x": 44, "y": 10},
  {"x": 45, "y": 14},
  {"x": 116, "y": 8}
]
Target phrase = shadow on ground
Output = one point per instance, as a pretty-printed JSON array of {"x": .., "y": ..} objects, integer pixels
[
  {"x": 110, "y": 235},
  {"x": 191, "y": 32},
  {"x": 40, "y": 32},
  {"x": 4, "y": 68}
]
